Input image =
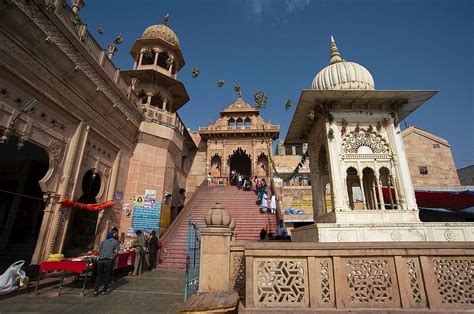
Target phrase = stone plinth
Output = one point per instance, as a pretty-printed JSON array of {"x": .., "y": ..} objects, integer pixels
[
  {"x": 215, "y": 259},
  {"x": 380, "y": 231}
]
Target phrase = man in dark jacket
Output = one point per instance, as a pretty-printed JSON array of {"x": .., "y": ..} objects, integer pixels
[{"x": 153, "y": 248}]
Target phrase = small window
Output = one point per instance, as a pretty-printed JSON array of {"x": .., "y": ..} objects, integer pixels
[
  {"x": 240, "y": 122},
  {"x": 231, "y": 122},
  {"x": 423, "y": 170},
  {"x": 435, "y": 145}
]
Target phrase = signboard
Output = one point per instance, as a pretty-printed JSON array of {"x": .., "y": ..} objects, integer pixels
[{"x": 146, "y": 219}]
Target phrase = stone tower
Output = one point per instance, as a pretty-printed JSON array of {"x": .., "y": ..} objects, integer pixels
[{"x": 158, "y": 160}]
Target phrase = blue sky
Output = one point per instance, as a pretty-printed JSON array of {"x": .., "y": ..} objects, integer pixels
[{"x": 278, "y": 46}]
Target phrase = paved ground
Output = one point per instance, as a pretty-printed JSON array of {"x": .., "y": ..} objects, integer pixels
[{"x": 160, "y": 291}]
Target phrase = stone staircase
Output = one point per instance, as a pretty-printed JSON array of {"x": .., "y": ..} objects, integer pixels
[{"x": 241, "y": 205}]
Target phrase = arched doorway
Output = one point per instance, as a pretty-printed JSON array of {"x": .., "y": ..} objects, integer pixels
[
  {"x": 262, "y": 166},
  {"x": 82, "y": 225},
  {"x": 216, "y": 166},
  {"x": 21, "y": 199},
  {"x": 240, "y": 162}
]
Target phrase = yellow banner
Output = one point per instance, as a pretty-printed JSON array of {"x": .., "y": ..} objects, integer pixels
[{"x": 165, "y": 216}]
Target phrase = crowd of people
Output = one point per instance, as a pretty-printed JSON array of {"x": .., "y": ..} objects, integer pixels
[
  {"x": 241, "y": 181},
  {"x": 267, "y": 203},
  {"x": 147, "y": 247}
]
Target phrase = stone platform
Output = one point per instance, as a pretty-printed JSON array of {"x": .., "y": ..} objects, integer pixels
[{"x": 377, "y": 231}]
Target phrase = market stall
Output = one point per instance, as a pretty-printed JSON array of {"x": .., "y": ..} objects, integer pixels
[{"x": 82, "y": 266}]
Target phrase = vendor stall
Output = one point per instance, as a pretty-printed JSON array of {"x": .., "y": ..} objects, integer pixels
[{"x": 82, "y": 266}]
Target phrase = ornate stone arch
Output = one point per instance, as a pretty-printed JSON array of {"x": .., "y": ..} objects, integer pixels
[{"x": 356, "y": 141}]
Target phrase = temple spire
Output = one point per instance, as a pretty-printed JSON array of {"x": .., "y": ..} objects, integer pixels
[{"x": 335, "y": 55}]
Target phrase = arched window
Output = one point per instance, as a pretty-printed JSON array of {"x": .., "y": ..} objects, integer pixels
[
  {"x": 354, "y": 190},
  {"x": 162, "y": 60},
  {"x": 157, "y": 100},
  {"x": 388, "y": 188},
  {"x": 240, "y": 122},
  {"x": 231, "y": 122},
  {"x": 148, "y": 57},
  {"x": 369, "y": 186},
  {"x": 247, "y": 122}
]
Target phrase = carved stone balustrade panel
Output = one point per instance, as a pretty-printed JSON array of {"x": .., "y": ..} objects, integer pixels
[{"x": 281, "y": 282}]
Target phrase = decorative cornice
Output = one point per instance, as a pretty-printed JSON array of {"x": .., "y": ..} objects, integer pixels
[{"x": 56, "y": 37}]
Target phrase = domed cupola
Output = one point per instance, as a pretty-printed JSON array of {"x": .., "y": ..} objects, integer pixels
[
  {"x": 341, "y": 74},
  {"x": 161, "y": 31}
]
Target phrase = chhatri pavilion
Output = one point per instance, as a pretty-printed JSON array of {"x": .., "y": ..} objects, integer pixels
[{"x": 356, "y": 150}]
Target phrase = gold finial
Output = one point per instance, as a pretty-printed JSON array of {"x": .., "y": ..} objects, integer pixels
[
  {"x": 165, "y": 19},
  {"x": 335, "y": 55},
  {"x": 237, "y": 90}
]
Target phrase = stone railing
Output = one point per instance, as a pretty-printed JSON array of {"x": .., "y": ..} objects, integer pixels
[
  {"x": 310, "y": 276},
  {"x": 165, "y": 117},
  {"x": 237, "y": 268},
  {"x": 79, "y": 30}
]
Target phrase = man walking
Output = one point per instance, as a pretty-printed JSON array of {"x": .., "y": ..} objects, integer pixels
[{"x": 107, "y": 250}]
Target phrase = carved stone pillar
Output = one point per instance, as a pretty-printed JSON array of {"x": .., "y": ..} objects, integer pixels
[
  {"x": 62, "y": 190},
  {"x": 72, "y": 191},
  {"x": 41, "y": 242},
  {"x": 103, "y": 224},
  {"x": 379, "y": 189},
  {"x": 215, "y": 250}
]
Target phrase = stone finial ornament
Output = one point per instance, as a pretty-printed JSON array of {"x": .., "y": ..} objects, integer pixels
[
  {"x": 165, "y": 19},
  {"x": 218, "y": 216},
  {"x": 335, "y": 55}
]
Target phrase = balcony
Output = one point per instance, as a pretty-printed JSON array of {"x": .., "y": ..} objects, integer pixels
[{"x": 166, "y": 118}]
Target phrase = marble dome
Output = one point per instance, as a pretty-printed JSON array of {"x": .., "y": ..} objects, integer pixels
[
  {"x": 341, "y": 74},
  {"x": 161, "y": 31}
]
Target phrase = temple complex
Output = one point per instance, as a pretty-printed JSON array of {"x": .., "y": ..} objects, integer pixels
[{"x": 86, "y": 147}]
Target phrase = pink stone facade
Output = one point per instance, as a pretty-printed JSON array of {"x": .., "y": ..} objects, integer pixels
[{"x": 429, "y": 158}]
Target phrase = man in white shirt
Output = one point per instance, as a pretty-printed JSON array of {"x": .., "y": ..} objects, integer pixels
[{"x": 273, "y": 204}]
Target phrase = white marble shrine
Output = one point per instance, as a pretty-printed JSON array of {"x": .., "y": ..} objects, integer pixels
[{"x": 362, "y": 189}]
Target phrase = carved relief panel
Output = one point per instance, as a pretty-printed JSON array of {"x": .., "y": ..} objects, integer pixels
[{"x": 281, "y": 282}]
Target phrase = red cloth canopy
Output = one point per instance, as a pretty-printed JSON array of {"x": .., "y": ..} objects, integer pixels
[
  {"x": 89, "y": 207},
  {"x": 453, "y": 200}
]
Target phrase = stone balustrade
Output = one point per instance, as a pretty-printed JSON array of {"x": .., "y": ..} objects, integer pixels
[
  {"x": 165, "y": 117},
  {"x": 79, "y": 30},
  {"x": 335, "y": 276}
]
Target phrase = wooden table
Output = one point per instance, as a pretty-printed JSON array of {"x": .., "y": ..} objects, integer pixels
[{"x": 79, "y": 268}]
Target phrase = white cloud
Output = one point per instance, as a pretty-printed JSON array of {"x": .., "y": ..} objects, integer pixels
[
  {"x": 260, "y": 7},
  {"x": 293, "y": 5}
]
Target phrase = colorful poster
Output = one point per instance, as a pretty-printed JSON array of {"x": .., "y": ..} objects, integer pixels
[
  {"x": 150, "y": 199},
  {"x": 146, "y": 219},
  {"x": 139, "y": 200}
]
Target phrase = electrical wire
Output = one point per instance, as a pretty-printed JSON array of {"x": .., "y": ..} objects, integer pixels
[{"x": 22, "y": 195}]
